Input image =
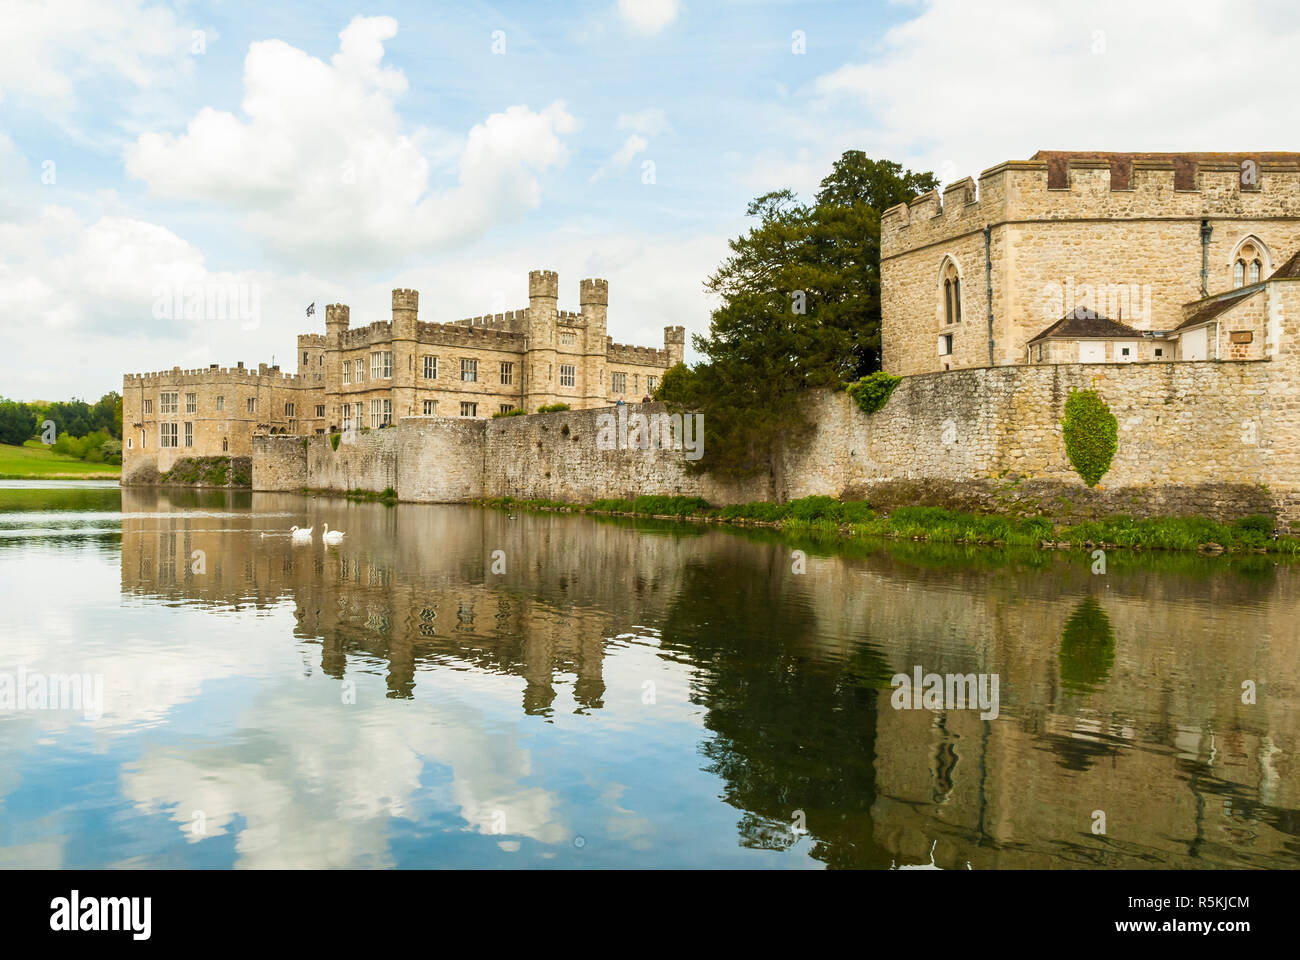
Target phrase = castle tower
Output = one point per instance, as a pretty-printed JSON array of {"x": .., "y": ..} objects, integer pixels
[
  {"x": 336, "y": 324},
  {"x": 337, "y": 317},
  {"x": 593, "y": 297},
  {"x": 406, "y": 306},
  {"x": 675, "y": 345},
  {"x": 539, "y": 363}
]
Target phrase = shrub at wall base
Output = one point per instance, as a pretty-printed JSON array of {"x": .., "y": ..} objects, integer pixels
[{"x": 1091, "y": 434}]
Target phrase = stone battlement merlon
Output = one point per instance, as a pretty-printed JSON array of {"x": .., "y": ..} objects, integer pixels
[
  {"x": 464, "y": 335},
  {"x": 1065, "y": 186},
  {"x": 204, "y": 375},
  {"x": 510, "y": 320},
  {"x": 377, "y": 332},
  {"x": 628, "y": 353}
]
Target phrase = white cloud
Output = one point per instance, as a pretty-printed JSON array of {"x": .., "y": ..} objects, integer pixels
[
  {"x": 1110, "y": 75},
  {"x": 622, "y": 156},
  {"x": 651, "y": 122},
  {"x": 326, "y": 173},
  {"x": 48, "y": 49},
  {"x": 78, "y": 296},
  {"x": 649, "y": 16}
]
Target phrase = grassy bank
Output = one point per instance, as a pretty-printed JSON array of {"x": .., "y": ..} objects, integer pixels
[
  {"x": 388, "y": 495},
  {"x": 828, "y": 517},
  {"x": 37, "y": 461}
]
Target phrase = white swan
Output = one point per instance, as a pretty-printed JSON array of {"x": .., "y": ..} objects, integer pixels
[
  {"x": 297, "y": 533},
  {"x": 332, "y": 536}
]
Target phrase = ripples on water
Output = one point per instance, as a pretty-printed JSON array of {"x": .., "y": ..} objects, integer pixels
[{"x": 623, "y": 694}]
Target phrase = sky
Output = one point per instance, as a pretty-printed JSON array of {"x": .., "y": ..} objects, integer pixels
[{"x": 328, "y": 152}]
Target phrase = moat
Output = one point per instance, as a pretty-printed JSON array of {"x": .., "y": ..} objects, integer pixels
[{"x": 452, "y": 686}]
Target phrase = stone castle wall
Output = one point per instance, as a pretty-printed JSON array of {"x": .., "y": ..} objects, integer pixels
[
  {"x": 1082, "y": 224},
  {"x": 1219, "y": 439}
]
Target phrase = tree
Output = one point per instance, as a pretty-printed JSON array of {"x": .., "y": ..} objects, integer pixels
[
  {"x": 106, "y": 414},
  {"x": 17, "y": 423},
  {"x": 799, "y": 309},
  {"x": 846, "y": 245}
]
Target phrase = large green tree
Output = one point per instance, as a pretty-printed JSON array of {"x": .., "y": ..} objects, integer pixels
[
  {"x": 17, "y": 422},
  {"x": 799, "y": 308}
]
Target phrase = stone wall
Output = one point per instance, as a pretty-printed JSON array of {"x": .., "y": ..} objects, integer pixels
[
  {"x": 555, "y": 456},
  {"x": 1219, "y": 439},
  {"x": 1090, "y": 231},
  {"x": 221, "y": 407}
]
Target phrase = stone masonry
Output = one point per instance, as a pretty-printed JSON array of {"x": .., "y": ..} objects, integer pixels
[{"x": 367, "y": 377}]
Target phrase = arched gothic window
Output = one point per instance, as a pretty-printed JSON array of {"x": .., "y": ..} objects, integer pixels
[
  {"x": 1248, "y": 263},
  {"x": 951, "y": 294}
]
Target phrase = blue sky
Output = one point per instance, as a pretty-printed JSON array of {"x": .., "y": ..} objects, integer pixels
[{"x": 332, "y": 151}]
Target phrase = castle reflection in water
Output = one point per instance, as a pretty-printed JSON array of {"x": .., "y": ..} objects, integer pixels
[{"x": 1119, "y": 693}]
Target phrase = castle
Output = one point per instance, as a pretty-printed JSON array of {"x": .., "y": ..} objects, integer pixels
[
  {"x": 371, "y": 376},
  {"x": 1092, "y": 257}
]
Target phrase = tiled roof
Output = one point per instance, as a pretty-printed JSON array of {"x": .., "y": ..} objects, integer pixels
[
  {"x": 1288, "y": 270},
  {"x": 1082, "y": 323},
  {"x": 1212, "y": 310}
]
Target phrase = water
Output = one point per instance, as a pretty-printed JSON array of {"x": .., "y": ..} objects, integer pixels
[{"x": 626, "y": 694}]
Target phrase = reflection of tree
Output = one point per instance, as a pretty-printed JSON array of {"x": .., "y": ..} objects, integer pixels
[
  {"x": 1087, "y": 647},
  {"x": 794, "y": 722}
]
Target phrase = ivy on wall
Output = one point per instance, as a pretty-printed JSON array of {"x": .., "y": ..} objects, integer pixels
[
  {"x": 872, "y": 391},
  {"x": 1091, "y": 434}
]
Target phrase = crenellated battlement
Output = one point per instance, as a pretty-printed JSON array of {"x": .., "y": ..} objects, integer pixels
[
  {"x": 626, "y": 353},
  {"x": 478, "y": 336},
  {"x": 181, "y": 377},
  {"x": 312, "y": 340},
  {"x": 1063, "y": 185},
  {"x": 377, "y": 332},
  {"x": 544, "y": 284},
  {"x": 593, "y": 291},
  {"x": 510, "y": 320}
]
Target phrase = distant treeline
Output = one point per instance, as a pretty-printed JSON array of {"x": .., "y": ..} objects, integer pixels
[{"x": 87, "y": 431}]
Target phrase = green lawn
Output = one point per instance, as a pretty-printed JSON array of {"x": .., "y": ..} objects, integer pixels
[{"x": 35, "y": 459}]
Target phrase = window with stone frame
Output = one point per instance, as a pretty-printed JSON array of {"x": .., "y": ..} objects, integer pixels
[
  {"x": 1248, "y": 266},
  {"x": 951, "y": 294}
]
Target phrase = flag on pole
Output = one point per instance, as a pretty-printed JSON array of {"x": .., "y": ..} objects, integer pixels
[{"x": 311, "y": 308}]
